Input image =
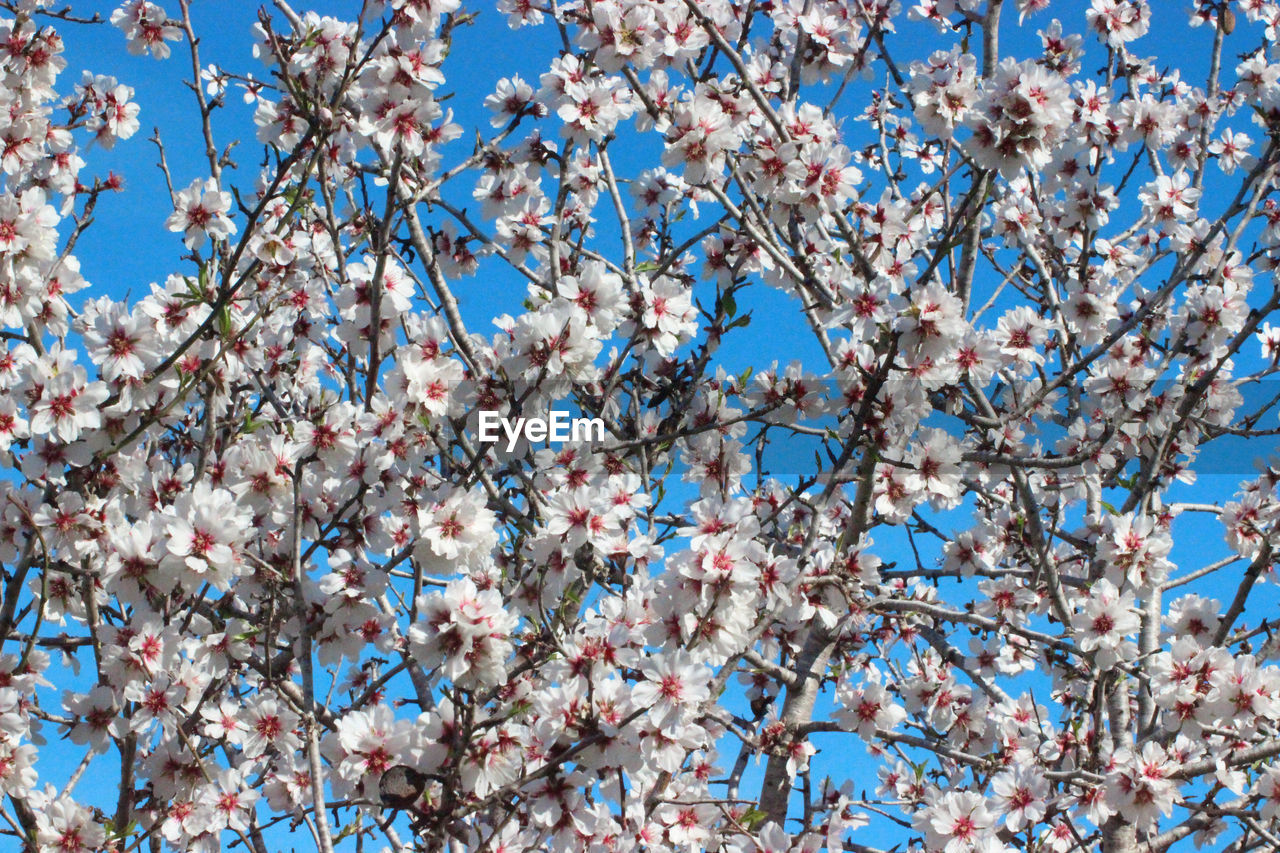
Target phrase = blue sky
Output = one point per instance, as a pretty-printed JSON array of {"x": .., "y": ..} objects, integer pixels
[{"x": 128, "y": 247}]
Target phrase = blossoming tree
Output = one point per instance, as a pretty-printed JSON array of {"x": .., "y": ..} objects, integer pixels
[{"x": 263, "y": 586}]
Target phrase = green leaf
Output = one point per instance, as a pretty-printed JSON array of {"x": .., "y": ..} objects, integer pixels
[
  {"x": 729, "y": 304},
  {"x": 752, "y": 819},
  {"x": 351, "y": 828}
]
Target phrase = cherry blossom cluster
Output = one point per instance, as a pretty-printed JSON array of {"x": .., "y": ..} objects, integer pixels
[{"x": 260, "y": 570}]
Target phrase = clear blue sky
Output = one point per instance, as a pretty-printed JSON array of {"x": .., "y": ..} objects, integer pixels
[{"x": 129, "y": 247}]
